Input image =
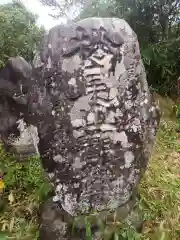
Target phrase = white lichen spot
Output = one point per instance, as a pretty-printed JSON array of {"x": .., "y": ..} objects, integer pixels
[
  {"x": 152, "y": 109},
  {"x": 58, "y": 158},
  {"x": 137, "y": 121},
  {"x": 115, "y": 102},
  {"x": 91, "y": 71},
  {"x": 132, "y": 177},
  {"x": 58, "y": 188},
  {"x": 120, "y": 137},
  {"x": 111, "y": 117},
  {"x": 113, "y": 203},
  {"x": 89, "y": 89},
  {"x": 119, "y": 113},
  {"x": 72, "y": 82},
  {"x": 76, "y": 185},
  {"x": 103, "y": 95},
  {"x": 96, "y": 135},
  {"x": 53, "y": 112},
  {"x": 72, "y": 63},
  {"x": 51, "y": 175},
  {"x": 69, "y": 203},
  {"x": 129, "y": 158},
  {"x": 78, "y": 123},
  {"x": 107, "y": 127},
  {"x": 128, "y": 104},
  {"x": 56, "y": 198},
  {"x": 78, "y": 133},
  {"x": 112, "y": 152},
  {"x": 146, "y": 101},
  {"x": 84, "y": 180},
  {"x": 84, "y": 205},
  {"x": 101, "y": 153},
  {"x": 65, "y": 187},
  {"x": 53, "y": 84},
  {"x": 91, "y": 128},
  {"x": 141, "y": 104},
  {"x": 118, "y": 184},
  {"x": 77, "y": 163},
  {"x": 57, "y": 180},
  {"x": 49, "y": 64},
  {"x": 49, "y": 45},
  {"x": 103, "y": 103},
  {"x": 134, "y": 128},
  {"x": 91, "y": 117},
  {"x": 99, "y": 108},
  {"x": 113, "y": 93}
]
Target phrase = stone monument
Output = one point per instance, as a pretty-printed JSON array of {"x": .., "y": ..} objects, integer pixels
[
  {"x": 89, "y": 99},
  {"x": 97, "y": 121}
]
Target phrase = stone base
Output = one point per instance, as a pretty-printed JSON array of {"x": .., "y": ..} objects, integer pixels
[
  {"x": 21, "y": 152},
  {"x": 56, "y": 224},
  {"x": 53, "y": 224}
]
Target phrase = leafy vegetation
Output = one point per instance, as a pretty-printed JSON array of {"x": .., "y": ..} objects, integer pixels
[
  {"x": 19, "y": 34},
  {"x": 178, "y": 118}
]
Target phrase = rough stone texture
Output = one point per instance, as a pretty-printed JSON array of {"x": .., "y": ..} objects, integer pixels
[
  {"x": 16, "y": 136},
  {"x": 89, "y": 99},
  {"x": 53, "y": 225},
  {"x": 96, "y": 119},
  {"x": 57, "y": 224},
  {"x": 26, "y": 144}
]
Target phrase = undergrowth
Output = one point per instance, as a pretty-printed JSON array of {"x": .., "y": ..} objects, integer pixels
[
  {"x": 26, "y": 188},
  {"x": 178, "y": 118}
]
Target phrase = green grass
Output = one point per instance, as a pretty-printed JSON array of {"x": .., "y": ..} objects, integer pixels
[
  {"x": 178, "y": 117},
  {"x": 160, "y": 189},
  {"x": 26, "y": 187}
]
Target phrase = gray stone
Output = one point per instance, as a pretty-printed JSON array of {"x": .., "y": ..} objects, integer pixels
[
  {"x": 89, "y": 99},
  {"x": 96, "y": 115},
  {"x": 17, "y": 137},
  {"x": 87, "y": 60},
  {"x": 52, "y": 225},
  {"x": 27, "y": 143}
]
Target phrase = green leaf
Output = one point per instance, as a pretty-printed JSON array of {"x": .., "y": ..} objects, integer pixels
[
  {"x": 88, "y": 229},
  {"x": 3, "y": 236}
]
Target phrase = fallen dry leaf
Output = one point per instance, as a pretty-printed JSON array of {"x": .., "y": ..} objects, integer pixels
[{"x": 11, "y": 198}]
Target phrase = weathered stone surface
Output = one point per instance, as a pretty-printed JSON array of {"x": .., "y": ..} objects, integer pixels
[
  {"x": 52, "y": 224},
  {"x": 15, "y": 136},
  {"x": 27, "y": 143},
  {"x": 57, "y": 224},
  {"x": 96, "y": 119},
  {"x": 89, "y": 99}
]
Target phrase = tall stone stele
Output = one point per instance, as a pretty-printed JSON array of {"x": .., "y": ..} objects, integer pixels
[{"x": 97, "y": 121}]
